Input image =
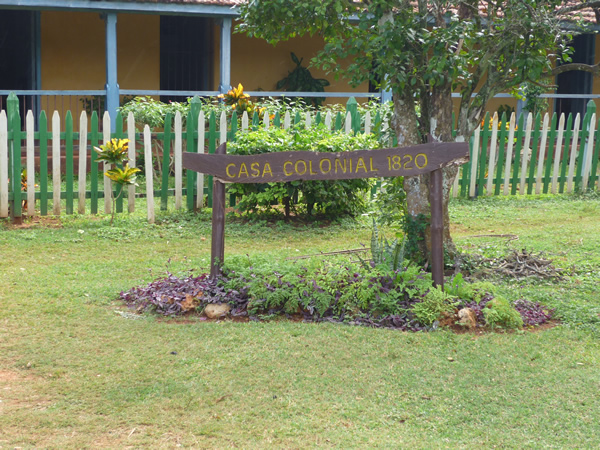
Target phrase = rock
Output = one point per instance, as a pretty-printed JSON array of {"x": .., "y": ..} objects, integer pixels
[
  {"x": 216, "y": 311},
  {"x": 467, "y": 317}
]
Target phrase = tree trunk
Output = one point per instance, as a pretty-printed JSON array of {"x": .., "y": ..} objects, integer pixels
[{"x": 417, "y": 188}]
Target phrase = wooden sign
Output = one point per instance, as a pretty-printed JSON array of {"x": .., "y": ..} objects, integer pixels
[{"x": 307, "y": 165}]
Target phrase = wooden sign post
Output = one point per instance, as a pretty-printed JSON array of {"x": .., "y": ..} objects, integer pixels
[{"x": 305, "y": 165}]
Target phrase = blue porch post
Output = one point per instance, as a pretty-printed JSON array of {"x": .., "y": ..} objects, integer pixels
[
  {"x": 225, "y": 63},
  {"x": 112, "y": 86}
]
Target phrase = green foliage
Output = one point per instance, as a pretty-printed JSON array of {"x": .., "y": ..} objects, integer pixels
[
  {"x": 458, "y": 287},
  {"x": 433, "y": 305},
  {"x": 530, "y": 93},
  {"x": 499, "y": 313},
  {"x": 114, "y": 152},
  {"x": 301, "y": 80},
  {"x": 384, "y": 252},
  {"x": 414, "y": 230},
  {"x": 389, "y": 202},
  {"x": 334, "y": 286},
  {"x": 331, "y": 198},
  {"x": 422, "y": 51},
  {"x": 147, "y": 111}
]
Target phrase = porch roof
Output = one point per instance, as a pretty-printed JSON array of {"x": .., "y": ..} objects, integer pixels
[{"x": 215, "y": 8}]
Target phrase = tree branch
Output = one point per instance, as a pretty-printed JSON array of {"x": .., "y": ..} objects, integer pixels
[
  {"x": 594, "y": 69},
  {"x": 577, "y": 7}
]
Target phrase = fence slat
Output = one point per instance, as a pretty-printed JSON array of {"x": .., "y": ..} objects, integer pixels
[
  {"x": 245, "y": 121},
  {"x": 474, "y": 159},
  {"x": 178, "y": 154},
  {"x": 43, "y": 135},
  {"x": 501, "y": 154},
  {"x": 594, "y": 177},
  {"x": 149, "y": 178},
  {"x": 200, "y": 149},
  {"x": 348, "y": 123},
  {"x": 565, "y": 155},
  {"x": 3, "y": 164},
  {"x": 69, "y": 166},
  {"x": 94, "y": 165},
  {"x": 587, "y": 165},
  {"x": 573, "y": 158},
  {"x": 30, "y": 163},
  {"x": 368, "y": 122},
  {"x": 307, "y": 120},
  {"x": 542, "y": 155},
  {"x": 533, "y": 156},
  {"x": 485, "y": 140},
  {"x": 525, "y": 152},
  {"x": 82, "y": 169},
  {"x": 509, "y": 153},
  {"x": 132, "y": 160},
  {"x": 328, "y": 120},
  {"x": 56, "y": 189},
  {"x": 107, "y": 182},
  {"x": 166, "y": 162},
  {"x": 557, "y": 152},
  {"x": 492, "y": 161},
  {"x": 266, "y": 121},
  {"x": 514, "y": 181},
  {"x": 212, "y": 140}
]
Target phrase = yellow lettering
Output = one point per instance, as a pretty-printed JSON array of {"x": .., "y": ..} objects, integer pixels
[
  {"x": 339, "y": 163},
  {"x": 350, "y": 164},
  {"x": 287, "y": 174},
  {"x": 328, "y": 164},
  {"x": 424, "y": 158},
  {"x": 371, "y": 168},
  {"x": 267, "y": 169},
  {"x": 310, "y": 168},
  {"x": 361, "y": 163},
  {"x": 227, "y": 170},
  {"x": 297, "y": 169},
  {"x": 254, "y": 168},
  {"x": 243, "y": 170}
]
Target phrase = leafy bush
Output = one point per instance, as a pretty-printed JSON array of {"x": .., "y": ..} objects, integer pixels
[
  {"x": 533, "y": 313},
  {"x": 433, "y": 305},
  {"x": 331, "y": 198},
  {"x": 499, "y": 313}
]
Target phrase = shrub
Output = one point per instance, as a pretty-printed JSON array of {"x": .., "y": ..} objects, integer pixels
[
  {"x": 499, "y": 313},
  {"x": 331, "y": 198},
  {"x": 434, "y": 304}
]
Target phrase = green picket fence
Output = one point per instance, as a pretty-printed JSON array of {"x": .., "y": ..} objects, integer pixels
[
  {"x": 532, "y": 156},
  {"x": 53, "y": 184},
  {"x": 536, "y": 155}
]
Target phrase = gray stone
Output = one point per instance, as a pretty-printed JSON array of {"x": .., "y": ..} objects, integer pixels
[
  {"x": 467, "y": 317},
  {"x": 216, "y": 311}
]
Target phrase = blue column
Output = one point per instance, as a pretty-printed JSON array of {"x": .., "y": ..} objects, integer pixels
[
  {"x": 225, "y": 64},
  {"x": 112, "y": 87}
]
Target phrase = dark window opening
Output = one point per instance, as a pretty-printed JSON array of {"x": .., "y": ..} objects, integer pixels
[
  {"x": 576, "y": 81},
  {"x": 17, "y": 55},
  {"x": 185, "y": 54}
]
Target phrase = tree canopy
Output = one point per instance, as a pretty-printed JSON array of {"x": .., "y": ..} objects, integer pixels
[{"x": 426, "y": 50}]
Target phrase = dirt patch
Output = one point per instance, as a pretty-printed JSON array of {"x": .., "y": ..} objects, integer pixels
[
  {"x": 36, "y": 222},
  {"x": 17, "y": 391}
]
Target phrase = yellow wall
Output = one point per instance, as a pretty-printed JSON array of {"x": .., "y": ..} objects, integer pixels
[
  {"x": 73, "y": 51},
  {"x": 259, "y": 65}
]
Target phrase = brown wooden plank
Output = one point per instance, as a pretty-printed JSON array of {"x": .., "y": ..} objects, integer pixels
[{"x": 305, "y": 165}]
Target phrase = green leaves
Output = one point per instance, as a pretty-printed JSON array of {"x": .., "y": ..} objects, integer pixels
[
  {"x": 125, "y": 176},
  {"x": 113, "y": 152}
]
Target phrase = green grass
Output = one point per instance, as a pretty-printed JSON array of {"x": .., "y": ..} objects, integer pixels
[{"x": 75, "y": 372}]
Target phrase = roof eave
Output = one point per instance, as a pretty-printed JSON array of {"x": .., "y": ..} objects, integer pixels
[{"x": 122, "y": 7}]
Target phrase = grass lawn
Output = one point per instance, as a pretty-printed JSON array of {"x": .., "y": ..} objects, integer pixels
[{"x": 78, "y": 372}]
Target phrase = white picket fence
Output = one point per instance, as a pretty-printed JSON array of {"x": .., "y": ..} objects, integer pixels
[{"x": 83, "y": 147}]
